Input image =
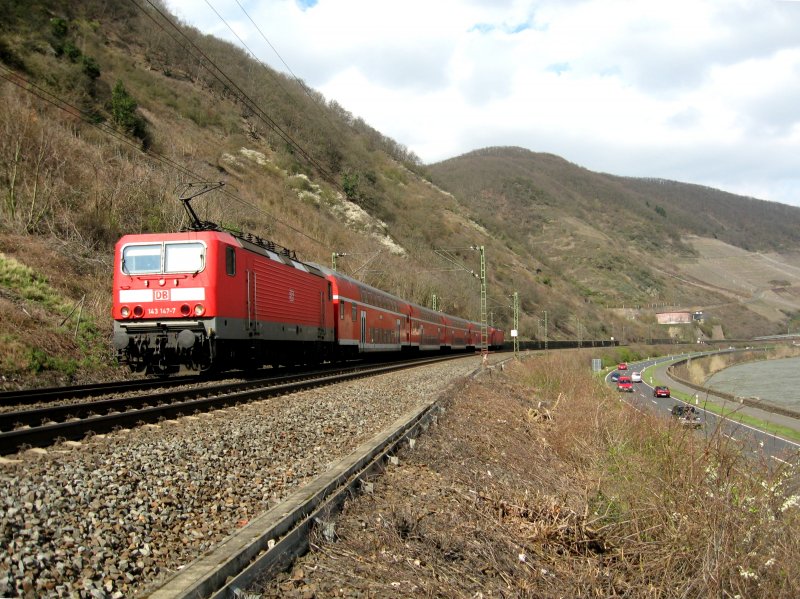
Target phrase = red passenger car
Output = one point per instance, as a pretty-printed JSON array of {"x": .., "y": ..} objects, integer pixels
[
  {"x": 496, "y": 338},
  {"x": 208, "y": 298},
  {"x": 367, "y": 319},
  {"x": 458, "y": 333},
  {"x": 371, "y": 320}
]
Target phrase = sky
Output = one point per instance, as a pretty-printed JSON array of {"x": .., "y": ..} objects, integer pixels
[{"x": 699, "y": 91}]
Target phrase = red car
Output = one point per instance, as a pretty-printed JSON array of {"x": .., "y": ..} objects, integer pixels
[
  {"x": 624, "y": 384},
  {"x": 622, "y": 366},
  {"x": 661, "y": 391}
]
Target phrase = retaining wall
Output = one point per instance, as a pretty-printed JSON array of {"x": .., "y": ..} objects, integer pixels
[{"x": 679, "y": 372}]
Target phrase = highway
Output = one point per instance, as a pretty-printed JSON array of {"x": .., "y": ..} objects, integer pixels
[{"x": 761, "y": 445}]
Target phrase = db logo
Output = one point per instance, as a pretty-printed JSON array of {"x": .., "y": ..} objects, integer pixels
[{"x": 161, "y": 295}]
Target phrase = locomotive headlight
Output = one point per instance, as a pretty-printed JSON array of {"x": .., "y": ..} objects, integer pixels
[
  {"x": 138, "y": 311},
  {"x": 185, "y": 309},
  {"x": 199, "y": 310},
  {"x": 125, "y": 311}
]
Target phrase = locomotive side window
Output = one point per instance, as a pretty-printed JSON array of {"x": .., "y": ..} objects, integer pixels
[
  {"x": 341, "y": 309},
  {"x": 141, "y": 259},
  {"x": 184, "y": 257},
  {"x": 230, "y": 260}
]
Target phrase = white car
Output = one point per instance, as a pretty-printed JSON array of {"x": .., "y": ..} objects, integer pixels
[{"x": 636, "y": 377}]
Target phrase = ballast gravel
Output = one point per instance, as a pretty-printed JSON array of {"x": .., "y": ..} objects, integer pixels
[{"x": 115, "y": 515}]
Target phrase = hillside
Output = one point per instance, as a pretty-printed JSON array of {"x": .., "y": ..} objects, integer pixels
[
  {"x": 641, "y": 242},
  {"x": 111, "y": 109}
]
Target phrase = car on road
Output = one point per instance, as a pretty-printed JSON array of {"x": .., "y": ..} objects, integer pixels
[
  {"x": 636, "y": 377},
  {"x": 660, "y": 391},
  {"x": 624, "y": 384},
  {"x": 615, "y": 376},
  {"x": 622, "y": 366},
  {"x": 687, "y": 415}
]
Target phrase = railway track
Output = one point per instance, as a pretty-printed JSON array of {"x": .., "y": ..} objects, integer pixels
[
  {"x": 270, "y": 542},
  {"x": 46, "y": 395},
  {"x": 51, "y": 394},
  {"x": 43, "y": 426},
  {"x": 121, "y": 515}
]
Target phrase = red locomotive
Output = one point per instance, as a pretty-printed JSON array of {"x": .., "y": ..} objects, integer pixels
[{"x": 208, "y": 299}]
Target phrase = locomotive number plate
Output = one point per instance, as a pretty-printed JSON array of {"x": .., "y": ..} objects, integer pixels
[{"x": 162, "y": 311}]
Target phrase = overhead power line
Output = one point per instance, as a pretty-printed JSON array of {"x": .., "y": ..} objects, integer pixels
[
  {"x": 44, "y": 95},
  {"x": 241, "y": 41},
  {"x": 299, "y": 81},
  {"x": 234, "y": 88}
]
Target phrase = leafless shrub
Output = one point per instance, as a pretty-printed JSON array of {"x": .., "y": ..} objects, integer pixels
[
  {"x": 599, "y": 501},
  {"x": 688, "y": 512}
]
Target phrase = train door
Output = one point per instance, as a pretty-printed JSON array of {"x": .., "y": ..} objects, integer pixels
[
  {"x": 322, "y": 323},
  {"x": 251, "y": 301},
  {"x": 363, "y": 339}
]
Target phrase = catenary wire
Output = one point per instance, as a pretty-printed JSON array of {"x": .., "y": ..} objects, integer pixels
[
  {"x": 231, "y": 85},
  {"x": 74, "y": 111},
  {"x": 288, "y": 68}
]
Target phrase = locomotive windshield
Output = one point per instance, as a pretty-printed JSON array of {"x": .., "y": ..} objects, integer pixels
[
  {"x": 166, "y": 258},
  {"x": 184, "y": 257}
]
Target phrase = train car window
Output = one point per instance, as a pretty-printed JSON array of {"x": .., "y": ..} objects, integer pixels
[
  {"x": 341, "y": 310},
  {"x": 141, "y": 259},
  {"x": 330, "y": 291},
  {"x": 184, "y": 257},
  {"x": 354, "y": 313},
  {"x": 230, "y": 260}
]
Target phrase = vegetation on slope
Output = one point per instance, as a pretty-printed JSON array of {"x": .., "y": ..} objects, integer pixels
[
  {"x": 111, "y": 108},
  {"x": 539, "y": 482}
]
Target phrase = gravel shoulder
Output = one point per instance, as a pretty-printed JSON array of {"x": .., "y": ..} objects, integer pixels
[
  {"x": 117, "y": 514},
  {"x": 482, "y": 506}
]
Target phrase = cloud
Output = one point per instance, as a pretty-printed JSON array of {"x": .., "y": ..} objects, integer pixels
[{"x": 694, "y": 90}]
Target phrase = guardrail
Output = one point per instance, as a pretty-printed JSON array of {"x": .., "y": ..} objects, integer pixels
[{"x": 752, "y": 402}]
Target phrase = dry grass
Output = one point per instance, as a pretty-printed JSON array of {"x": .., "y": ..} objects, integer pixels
[
  {"x": 49, "y": 308},
  {"x": 539, "y": 482}
]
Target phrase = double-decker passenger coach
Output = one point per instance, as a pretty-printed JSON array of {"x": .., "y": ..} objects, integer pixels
[{"x": 206, "y": 298}]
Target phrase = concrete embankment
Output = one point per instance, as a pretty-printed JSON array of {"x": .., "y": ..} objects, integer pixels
[{"x": 694, "y": 372}]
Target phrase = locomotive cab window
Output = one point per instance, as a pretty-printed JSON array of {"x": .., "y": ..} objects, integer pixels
[
  {"x": 184, "y": 257},
  {"x": 141, "y": 259},
  {"x": 157, "y": 258}
]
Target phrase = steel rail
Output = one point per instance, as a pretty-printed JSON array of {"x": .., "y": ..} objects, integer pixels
[
  {"x": 270, "y": 542},
  {"x": 191, "y": 402},
  {"x": 59, "y": 413},
  {"x": 48, "y": 394},
  {"x": 53, "y": 394}
]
